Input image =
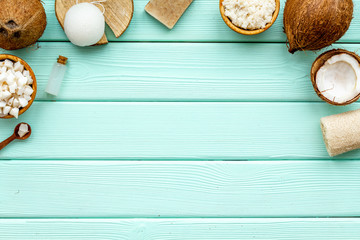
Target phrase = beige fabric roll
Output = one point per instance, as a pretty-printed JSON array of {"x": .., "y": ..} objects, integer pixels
[{"x": 341, "y": 132}]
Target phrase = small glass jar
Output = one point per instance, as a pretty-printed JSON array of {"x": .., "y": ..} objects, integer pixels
[{"x": 56, "y": 77}]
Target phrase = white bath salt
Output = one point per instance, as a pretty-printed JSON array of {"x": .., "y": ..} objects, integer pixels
[
  {"x": 15, "y": 88},
  {"x": 249, "y": 14},
  {"x": 23, "y": 130},
  {"x": 339, "y": 78}
]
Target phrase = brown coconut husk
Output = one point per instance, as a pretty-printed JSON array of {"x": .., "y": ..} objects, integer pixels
[
  {"x": 315, "y": 24},
  {"x": 22, "y": 23},
  {"x": 319, "y": 62}
]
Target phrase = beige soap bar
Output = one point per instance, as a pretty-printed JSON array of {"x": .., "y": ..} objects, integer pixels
[
  {"x": 168, "y": 12},
  {"x": 341, "y": 132}
]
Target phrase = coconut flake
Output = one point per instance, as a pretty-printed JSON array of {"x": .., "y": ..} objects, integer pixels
[
  {"x": 23, "y": 130},
  {"x": 10, "y": 77},
  {"x": 6, "y": 110},
  {"x": 28, "y": 90},
  {"x": 23, "y": 102},
  {"x": 27, "y": 97},
  {"x": 22, "y": 81},
  {"x": 16, "y": 103},
  {"x": 14, "y": 112},
  {"x": 338, "y": 79},
  {"x": 18, "y": 67},
  {"x": 8, "y": 63},
  {"x": 2, "y": 77},
  {"x": 13, "y": 87}
]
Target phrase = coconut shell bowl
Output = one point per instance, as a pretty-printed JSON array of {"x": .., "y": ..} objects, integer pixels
[
  {"x": 319, "y": 62},
  {"x": 245, "y": 31},
  {"x": 34, "y": 85}
]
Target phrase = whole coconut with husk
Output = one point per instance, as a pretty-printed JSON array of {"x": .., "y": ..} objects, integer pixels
[
  {"x": 315, "y": 24},
  {"x": 22, "y": 23}
]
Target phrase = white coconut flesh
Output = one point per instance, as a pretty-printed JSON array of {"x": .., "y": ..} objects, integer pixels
[
  {"x": 23, "y": 130},
  {"x": 338, "y": 79}
]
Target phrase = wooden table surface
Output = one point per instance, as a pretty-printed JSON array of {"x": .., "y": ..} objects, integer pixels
[{"x": 193, "y": 133}]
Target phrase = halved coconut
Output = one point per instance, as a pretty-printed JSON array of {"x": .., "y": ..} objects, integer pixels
[
  {"x": 335, "y": 76},
  {"x": 22, "y": 22}
]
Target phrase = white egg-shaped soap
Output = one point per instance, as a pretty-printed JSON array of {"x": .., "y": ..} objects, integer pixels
[{"x": 84, "y": 24}]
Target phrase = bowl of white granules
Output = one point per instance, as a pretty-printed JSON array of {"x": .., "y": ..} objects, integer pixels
[
  {"x": 17, "y": 86},
  {"x": 249, "y": 17}
]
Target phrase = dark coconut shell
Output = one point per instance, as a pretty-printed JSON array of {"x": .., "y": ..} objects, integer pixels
[
  {"x": 319, "y": 62},
  {"x": 315, "y": 24},
  {"x": 22, "y": 23}
]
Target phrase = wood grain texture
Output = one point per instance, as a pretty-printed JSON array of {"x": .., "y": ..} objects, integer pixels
[
  {"x": 118, "y": 15},
  {"x": 177, "y": 72},
  {"x": 201, "y": 22},
  {"x": 184, "y": 229},
  {"x": 173, "y": 131},
  {"x": 179, "y": 189}
]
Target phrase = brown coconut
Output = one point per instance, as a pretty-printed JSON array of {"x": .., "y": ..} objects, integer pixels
[
  {"x": 315, "y": 24},
  {"x": 319, "y": 62},
  {"x": 22, "y": 23}
]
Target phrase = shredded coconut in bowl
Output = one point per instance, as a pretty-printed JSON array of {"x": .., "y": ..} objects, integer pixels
[{"x": 249, "y": 14}]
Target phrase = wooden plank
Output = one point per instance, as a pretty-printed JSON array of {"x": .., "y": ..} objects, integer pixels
[
  {"x": 177, "y": 72},
  {"x": 185, "y": 229},
  {"x": 201, "y": 22},
  {"x": 179, "y": 189},
  {"x": 173, "y": 131}
]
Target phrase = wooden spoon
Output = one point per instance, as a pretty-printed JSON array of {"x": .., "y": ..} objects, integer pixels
[{"x": 15, "y": 136}]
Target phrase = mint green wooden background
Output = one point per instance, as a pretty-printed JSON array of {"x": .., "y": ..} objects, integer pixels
[{"x": 193, "y": 133}]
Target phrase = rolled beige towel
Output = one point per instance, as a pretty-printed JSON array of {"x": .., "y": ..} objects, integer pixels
[{"x": 341, "y": 132}]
